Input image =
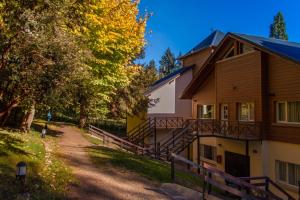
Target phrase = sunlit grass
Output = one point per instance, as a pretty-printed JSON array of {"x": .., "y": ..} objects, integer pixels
[
  {"x": 152, "y": 169},
  {"x": 47, "y": 177}
]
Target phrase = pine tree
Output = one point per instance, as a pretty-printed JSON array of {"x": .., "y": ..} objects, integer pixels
[
  {"x": 278, "y": 28},
  {"x": 167, "y": 63},
  {"x": 151, "y": 72}
]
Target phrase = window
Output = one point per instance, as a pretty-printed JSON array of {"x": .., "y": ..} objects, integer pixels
[
  {"x": 246, "y": 111},
  {"x": 288, "y": 173},
  {"x": 208, "y": 152},
  {"x": 205, "y": 111},
  {"x": 288, "y": 111}
]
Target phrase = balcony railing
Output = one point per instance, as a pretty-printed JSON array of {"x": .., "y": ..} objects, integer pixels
[
  {"x": 169, "y": 122},
  {"x": 239, "y": 130}
]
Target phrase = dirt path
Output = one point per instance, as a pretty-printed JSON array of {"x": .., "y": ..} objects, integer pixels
[{"x": 100, "y": 184}]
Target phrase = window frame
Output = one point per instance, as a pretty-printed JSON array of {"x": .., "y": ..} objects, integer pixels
[
  {"x": 213, "y": 151},
  {"x": 286, "y": 112},
  {"x": 213, "y": 113},
  {"x": 249, "y": 114},
  {"x": 287, "y": 165}
]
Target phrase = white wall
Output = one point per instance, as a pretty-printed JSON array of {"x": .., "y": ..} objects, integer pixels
[{"x": 165, "y": 96}]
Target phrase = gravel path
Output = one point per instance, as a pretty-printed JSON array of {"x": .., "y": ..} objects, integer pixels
[{"x": 96, "y": 184}]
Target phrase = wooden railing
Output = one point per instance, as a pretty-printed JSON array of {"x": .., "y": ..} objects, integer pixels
[
  {"x": 266, "y": 182},
  {"x": 239, "y": 130},
  {"x": 108, "y": 138},
  {"x": 223, "y": 181},
  {"x": 148, "y": 128},
  {"x": 169, "y": 122}
]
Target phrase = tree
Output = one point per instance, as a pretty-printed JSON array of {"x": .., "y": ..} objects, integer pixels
[
  {"x": 278, "y": 27},
  {"x": 114, "y": 32},
  {"x": 131, "y": 100},
  {"x": 65, "y": 55},
  {"x": 167, "y": 63},
  {"x": 38, "y": 52}
]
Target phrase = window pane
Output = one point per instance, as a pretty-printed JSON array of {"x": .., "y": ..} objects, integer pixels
[
  {"x": 281, "y": 111},
  {"x": 294, "y": 174},
  {"x": 205, "y": 111},
  {"x": 208, "y": 152},
  {"x": 281, "y": 170},
  {"x": 291, "y": 173},
  {"x": 294, "y": 111},
  {"x": 244, "y": 111}
]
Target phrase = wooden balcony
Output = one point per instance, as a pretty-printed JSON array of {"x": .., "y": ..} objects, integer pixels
[
  {"x": 168, "y": 122},
  {"x": 239, "y": 130}
]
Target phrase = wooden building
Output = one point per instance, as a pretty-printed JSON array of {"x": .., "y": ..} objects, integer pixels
[{"x": 246, "y": 98}]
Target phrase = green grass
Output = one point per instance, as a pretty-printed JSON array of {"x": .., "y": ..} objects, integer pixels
[
  {"x": 47, "y": 177},
  {"x": 152, "y": 169}
]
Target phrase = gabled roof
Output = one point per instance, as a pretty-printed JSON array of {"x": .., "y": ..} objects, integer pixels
[
  {"x": 282, "y": 48},
  {"x": 212, "y": 40},
  {"x": 168, "y": 78}
]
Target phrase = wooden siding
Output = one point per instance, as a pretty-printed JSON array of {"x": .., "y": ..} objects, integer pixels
[
  {"x": 205, "y": 95},
  {"x": 284, "y": 85},
  {"x": 238, "y": 79},
  {"x": 197, "y": 59}
]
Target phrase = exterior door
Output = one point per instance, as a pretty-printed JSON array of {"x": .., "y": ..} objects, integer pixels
[{"x": 237, "y": 164}]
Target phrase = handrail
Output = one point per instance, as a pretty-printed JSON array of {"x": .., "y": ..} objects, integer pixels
[
  {"x": 266, "y": 183},
  {"x": 134, "y": 130},
  {"x": 177, "y": 135},
  {"x": 116, "y": 138},
  {"x": 213, "y": 171}
]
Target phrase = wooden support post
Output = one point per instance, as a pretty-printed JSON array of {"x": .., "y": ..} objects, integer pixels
[
  {"x": 247, "y": 148},
  {"x": 267, "y": 184},
  {"x": 173, "y": 169},
  {"x": 173, "y": 137},
  {"x": 298, "y": 190},
  {"x": 189, "y": 155},
  {"x": 158, "y": 150},
  {"x": 166, "y": 123},
  {"x": 204, "y": 185},
  {"x": 198, "y": 153},
  {"x": 209, "y": 185}
]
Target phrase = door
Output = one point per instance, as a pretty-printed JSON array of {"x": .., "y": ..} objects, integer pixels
[{"x": 237, "y": 164}]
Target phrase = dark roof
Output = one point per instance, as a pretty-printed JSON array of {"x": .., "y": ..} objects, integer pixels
[
  {"x": 282, "y": 48},
  {"x": 169, "y": 77},
  {"x": 210, "y": 41},
  {"x": 289, "y": 50}
]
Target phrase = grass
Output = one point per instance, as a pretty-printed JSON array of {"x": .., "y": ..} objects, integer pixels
[
  {"x": 152, "y": 169},
  {"x": 47, "y": 177}
]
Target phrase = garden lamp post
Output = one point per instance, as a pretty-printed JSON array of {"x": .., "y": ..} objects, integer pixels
[{"x": 21, "y": 169}]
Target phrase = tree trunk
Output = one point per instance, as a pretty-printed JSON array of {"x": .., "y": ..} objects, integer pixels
[
  {"x": 27, "y": 119},
  {"x": 83, "y": 115},
  {"x": 4, "y": 114}
]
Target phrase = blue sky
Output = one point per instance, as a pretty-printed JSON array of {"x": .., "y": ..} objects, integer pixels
[{"x": 181, "y": 24}]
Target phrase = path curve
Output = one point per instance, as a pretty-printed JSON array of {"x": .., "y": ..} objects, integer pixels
[{"x": 96, "y": 184}]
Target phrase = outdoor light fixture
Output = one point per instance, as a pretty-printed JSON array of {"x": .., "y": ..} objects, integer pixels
[{"x": 21, "y": 168}]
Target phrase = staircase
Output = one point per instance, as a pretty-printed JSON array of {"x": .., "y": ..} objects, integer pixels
[
  {"x": 142, "y": 131},
  {"x": 180, "y": 139},
  {"x": 148, "y": 129}
]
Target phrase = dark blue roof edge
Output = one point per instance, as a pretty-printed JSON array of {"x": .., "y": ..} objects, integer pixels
[{"x": 264, "y": 48}]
